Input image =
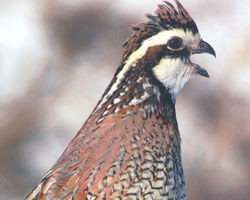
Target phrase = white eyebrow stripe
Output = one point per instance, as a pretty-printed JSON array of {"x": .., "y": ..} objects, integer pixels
[{"x": 158, "y": 39}]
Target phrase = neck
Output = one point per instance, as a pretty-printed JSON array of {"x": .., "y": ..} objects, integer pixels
[
  {"x": 145, "y": 134},
  {"x": 135, "y": 94},
  {"x": 138, "y": 128}
]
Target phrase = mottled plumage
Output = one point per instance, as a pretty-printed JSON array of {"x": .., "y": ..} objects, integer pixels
[{"x": 129, "y": 148}]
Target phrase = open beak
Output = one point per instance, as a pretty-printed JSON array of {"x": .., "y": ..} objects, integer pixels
[{"x": 203, "y": 47}]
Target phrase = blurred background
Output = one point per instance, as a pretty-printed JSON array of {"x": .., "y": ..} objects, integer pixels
[{"x": 57, "y": 57}]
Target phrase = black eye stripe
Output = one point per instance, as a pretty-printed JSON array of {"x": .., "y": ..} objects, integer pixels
[{"x": 175, "y": 43}]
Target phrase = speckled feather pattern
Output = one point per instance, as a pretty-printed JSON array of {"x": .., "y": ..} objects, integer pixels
[
  {"x": 132, "y": 157},
  {"x": 130, "y": 154},
  {"x": 130, "y": 146}
]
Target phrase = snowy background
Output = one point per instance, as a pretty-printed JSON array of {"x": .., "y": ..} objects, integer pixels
[{"x": 57, "y": 57}]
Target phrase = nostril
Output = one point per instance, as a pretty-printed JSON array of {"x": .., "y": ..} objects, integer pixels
[{"x": 202, "y": 44}]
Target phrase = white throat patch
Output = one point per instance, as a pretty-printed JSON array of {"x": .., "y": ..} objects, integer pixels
[{"x": 174, "y": 74}]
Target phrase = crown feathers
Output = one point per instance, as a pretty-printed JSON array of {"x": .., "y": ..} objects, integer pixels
[{"x": 169, "y": 17}]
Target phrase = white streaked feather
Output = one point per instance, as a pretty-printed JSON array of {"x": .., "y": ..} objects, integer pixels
[{"x": 140, "y": 100}]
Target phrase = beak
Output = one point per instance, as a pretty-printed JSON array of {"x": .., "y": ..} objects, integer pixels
[
  {"x": 200, "y": 70},
  {"x": 204, "y": 47}
]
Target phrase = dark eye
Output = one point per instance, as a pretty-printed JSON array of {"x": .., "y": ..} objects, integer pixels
[{"x": 175, "y": 43}]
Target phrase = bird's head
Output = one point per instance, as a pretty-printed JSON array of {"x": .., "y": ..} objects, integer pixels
[
  {"x": 164, "y": 45},
  {"x": 156, "y": 54}
]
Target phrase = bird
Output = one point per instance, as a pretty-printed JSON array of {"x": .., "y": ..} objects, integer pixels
[{"x": 130, "y": 146}]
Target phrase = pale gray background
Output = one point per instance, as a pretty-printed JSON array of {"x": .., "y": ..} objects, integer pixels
[{"x": 57, "y": 57}]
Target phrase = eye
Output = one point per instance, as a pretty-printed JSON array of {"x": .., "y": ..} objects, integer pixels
[{"x": 175, "y": 43}]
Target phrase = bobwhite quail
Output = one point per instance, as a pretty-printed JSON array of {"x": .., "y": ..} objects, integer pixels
[{"x": 129, "y": 147}]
